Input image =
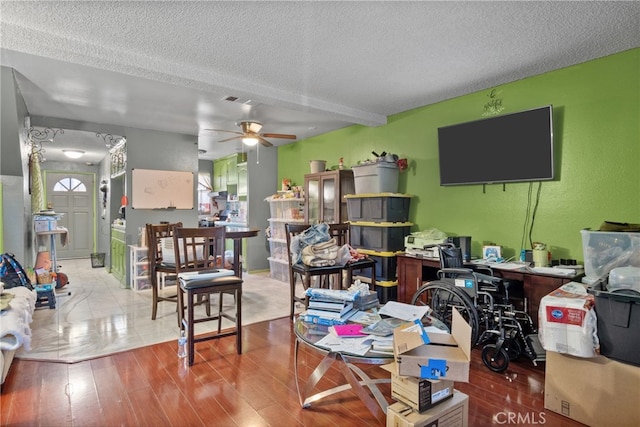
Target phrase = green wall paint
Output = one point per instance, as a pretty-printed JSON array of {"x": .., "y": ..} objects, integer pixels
[{"x": 597, "y": 153}]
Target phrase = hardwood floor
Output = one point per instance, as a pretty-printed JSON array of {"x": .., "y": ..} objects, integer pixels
[{"x": 149, "y": 386}]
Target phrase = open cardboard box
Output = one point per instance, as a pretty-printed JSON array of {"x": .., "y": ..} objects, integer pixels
[{"x": 435, "y": 356}]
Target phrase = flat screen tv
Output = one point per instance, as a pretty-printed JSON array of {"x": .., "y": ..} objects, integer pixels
[{"x": 515, "y": 147}]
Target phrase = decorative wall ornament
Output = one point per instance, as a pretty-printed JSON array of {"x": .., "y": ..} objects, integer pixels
[
  {"x": 494, "y": 106},
  {"x": 35, "y": 138},
  {"x": 111, "y": 141}
]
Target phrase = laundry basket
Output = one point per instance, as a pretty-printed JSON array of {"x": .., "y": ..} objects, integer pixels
[{"x": 97, "y": 259}]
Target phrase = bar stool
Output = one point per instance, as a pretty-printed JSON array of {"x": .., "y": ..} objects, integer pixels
[{"x": 199, "y": 255}]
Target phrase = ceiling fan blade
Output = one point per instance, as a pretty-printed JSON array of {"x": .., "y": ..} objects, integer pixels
[
  {"x": 232, "y": 138},
  {"x": 278, "y": 135},
  {"x": 264, "y": 142},
  {"x": 223, "y": 130}
]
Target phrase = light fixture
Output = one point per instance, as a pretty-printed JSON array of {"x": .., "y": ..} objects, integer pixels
[
  {"x": 250, "y": 140},
  {"x": 73, "y": 154}
]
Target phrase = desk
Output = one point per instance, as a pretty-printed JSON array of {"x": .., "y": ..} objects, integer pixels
[
  {"x": 237, "y": 234},
  {"x": 309, "y": 334},
  {"x": 413, "y": 271}
]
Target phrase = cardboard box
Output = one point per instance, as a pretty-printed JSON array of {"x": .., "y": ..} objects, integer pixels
[
  {"x": 452, "y": 413},
  {"x": 45, "y": 225},
  {"x": 568, "y": 321},
  {"x": 596, "y": 392},
  {"x": 434, "y": 356},
  {"x": 421, "y": 394}
]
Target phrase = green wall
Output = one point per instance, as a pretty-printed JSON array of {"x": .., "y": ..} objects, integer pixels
[{"x": 597, "y": 154}]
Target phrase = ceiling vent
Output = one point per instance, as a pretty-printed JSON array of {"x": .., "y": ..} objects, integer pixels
[{"x": 230, "y": 98}]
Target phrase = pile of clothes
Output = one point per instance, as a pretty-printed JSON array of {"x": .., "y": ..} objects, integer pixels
[{"x": 316, "y": 248}]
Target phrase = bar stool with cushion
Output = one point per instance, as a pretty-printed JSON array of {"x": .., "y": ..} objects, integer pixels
[
  {"x": 305, "y": 272},
  {"x": 157, "y": 263},
  {"x": 199, "y": 254}
]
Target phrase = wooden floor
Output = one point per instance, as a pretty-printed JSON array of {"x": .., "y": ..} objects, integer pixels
[{"x": 151, "y": 387}]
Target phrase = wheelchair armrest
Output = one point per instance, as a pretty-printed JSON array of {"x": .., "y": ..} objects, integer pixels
[{"x": 455, "y": 271}]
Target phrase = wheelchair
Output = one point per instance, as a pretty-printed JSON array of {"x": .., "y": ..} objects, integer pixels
[{"x": 504, "y": 332}]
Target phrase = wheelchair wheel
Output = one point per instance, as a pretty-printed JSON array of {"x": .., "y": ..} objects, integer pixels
[
  {"x": 441, "y": 296},
  {"x": 514, "y": 348},
  {"x": 494, "y": 359}
]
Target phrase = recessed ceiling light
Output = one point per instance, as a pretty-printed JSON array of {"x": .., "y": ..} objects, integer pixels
[{"x": 73, "y": 154}]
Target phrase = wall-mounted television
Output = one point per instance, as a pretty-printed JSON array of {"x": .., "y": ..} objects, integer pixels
[{"x": 516, "y": 147}]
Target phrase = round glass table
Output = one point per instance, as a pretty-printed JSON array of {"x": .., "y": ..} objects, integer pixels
[{"x": 311, "y": 334}]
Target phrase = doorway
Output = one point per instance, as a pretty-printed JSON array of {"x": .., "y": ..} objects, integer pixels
[{"x": 71, "y": 194}]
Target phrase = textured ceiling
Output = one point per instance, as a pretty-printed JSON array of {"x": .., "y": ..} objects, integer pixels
[{"x": 303, "y": 67}]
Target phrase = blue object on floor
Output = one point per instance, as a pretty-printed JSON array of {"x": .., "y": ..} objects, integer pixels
[{"x": 46, "y": 296}]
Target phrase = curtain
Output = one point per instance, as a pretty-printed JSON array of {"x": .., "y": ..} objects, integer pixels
[{"x": 37, "y": 189}]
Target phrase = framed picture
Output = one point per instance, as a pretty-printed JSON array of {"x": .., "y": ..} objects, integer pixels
[{"x": 491, "y": 252}]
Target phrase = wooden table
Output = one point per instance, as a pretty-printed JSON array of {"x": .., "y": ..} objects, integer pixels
[
  {"x": 413, "y": 271},
  {"x": 237, "y": 234}
]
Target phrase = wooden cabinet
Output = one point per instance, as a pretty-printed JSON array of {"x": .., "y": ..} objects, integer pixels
[
  {"x": 220, "y": 175},
  {"x": 226, "y": 171},
  {"x": 243, "y": 187},
  {"x": 118, "y": 254},
  {"x": 325, "y": 196}
]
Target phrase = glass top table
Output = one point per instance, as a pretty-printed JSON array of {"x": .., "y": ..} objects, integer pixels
[{"x": 310, "y": 334}]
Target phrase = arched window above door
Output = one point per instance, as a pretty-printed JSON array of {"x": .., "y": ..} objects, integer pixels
[{"x": 70, "y": 184}]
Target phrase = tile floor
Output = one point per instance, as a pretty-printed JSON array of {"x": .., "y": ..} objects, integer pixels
[{"x": 95, "y": 315}]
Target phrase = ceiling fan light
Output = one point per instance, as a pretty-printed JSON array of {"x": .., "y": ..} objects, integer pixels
[
  {"x": 73, "y": 154},
  {"x": 250, "y": 140}
]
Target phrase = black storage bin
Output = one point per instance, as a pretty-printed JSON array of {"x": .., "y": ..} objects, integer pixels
[
  {"x": 382, "y": 207},
  {"x": 386, "y": 263},
  {"x": 618, "y": 324},
  {"x": 387, "y": 291},
  {"x": 380, "y": 237}
]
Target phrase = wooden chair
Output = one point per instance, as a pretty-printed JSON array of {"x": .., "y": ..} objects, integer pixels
[
  {"x": 199, "y": 252},
  {"x": 305, "y": 272},
  {"x": 341, "y": 232},
  {"x": 157, "y": 265}
]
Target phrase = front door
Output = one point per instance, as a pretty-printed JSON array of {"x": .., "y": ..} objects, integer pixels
[{"x": 71, "y": 194}]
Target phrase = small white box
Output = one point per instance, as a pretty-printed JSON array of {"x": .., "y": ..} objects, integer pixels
[
  {"x": 41, "y": 225},
  {"x": 451, "y": 413}
]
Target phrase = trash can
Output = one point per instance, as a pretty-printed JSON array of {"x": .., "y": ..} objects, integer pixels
[{"x": 97, "y": 259}]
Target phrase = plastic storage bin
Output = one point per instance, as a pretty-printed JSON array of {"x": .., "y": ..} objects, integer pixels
[
  {"x": 380, "y": 237},
  {"x": 386, "y": 263},
  {"x": 278, "y": 269},
  {"x": 381, "y": 177},
  {"x": 290, "y": 208},
  {"x": 382, "y": 207},
  {"x": 605, "y": 250},
  {"x": 618, "y": 323},
  {"x": 387, "y": 291}
]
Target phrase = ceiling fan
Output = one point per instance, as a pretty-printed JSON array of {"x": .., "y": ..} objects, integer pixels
[{"x": 251, "y": 135}]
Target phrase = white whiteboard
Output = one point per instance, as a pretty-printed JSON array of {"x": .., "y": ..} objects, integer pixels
[{"x": 158, "y": 189}]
